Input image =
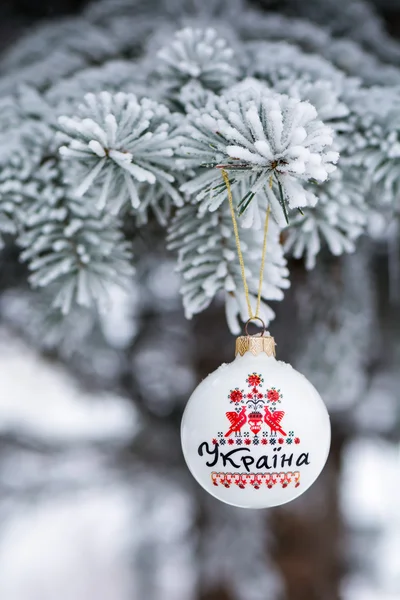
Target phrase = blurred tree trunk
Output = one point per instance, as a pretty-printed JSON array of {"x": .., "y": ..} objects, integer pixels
[
  {"x": 309, "y": 534},
  {"x": 332, "y": 306}
]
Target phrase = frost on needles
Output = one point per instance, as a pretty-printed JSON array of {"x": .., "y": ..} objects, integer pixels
[
  {"x": 200, "y": 55},
  {"x": 134, "y": 130},
  {"x": 207, "y": 261},
  {"x": 118, "y": 143},
  {"x": 268, "y": 141}
]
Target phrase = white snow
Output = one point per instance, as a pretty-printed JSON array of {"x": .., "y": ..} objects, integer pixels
[
  {"x": 69, "y": 549},
  {"x": 370, "y": 495},
  {"x": 41, "y": 398},
  {"x": 70, "y": 528}
]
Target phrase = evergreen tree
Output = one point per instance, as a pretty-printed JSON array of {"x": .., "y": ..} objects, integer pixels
[{"x": 145, "y": 133}]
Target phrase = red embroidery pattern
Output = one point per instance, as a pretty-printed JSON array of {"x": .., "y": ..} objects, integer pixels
[
  {"x": 236, "y": 395},
  {"x": 256, "y": 480},
  {"x": 257, "y": 409},
  {"x": 254, "y": 420},
  {"x": 273, "y": 419},
  {"x": 254, "y": 380},
  {"x": 237, "y": 421},
  {"x": 273, "y": 395}
]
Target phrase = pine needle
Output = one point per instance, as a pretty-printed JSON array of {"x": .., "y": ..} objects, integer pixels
[{"x": 282, "y": 201}]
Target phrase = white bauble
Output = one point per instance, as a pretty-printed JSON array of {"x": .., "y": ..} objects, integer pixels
[{"x": 255, "y": 433}]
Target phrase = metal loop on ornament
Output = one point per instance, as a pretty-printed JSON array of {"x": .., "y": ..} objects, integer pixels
[{"x": 264, "y": 328}]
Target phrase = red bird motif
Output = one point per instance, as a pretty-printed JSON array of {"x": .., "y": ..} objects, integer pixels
[
  {"x": 273, "y": 420},
  {"x": 237, "y": 420}
]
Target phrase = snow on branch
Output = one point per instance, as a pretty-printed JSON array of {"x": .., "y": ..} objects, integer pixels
[
  {"x": 116, "y": 143},
  {"x": 207, "y": 260},
  {"x": 270, "y": 98},
  {"x": 78, "y": 250},
  {"x": 199, "y": 55},
  {"x": 339, "y": 218},
  {"x": 270, "y": 141}
]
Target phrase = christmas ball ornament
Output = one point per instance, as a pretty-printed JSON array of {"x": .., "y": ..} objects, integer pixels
[{"x": 255, "y": 433}]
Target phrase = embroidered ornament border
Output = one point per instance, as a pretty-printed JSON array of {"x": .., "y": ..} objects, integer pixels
[{"x": 256, "y": 480}]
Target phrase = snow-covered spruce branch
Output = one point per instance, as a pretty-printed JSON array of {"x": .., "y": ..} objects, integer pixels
[
  {"x": 287, "y": 63},
  {"x": 199, "y": 55},
  {"x": 269, "y": 141},
  {"x": 373, "y": 143},
  {"x": 70, "y": 247},
  {"x": 336, "y": 222},
  {"x": 25, "y": 177},
  {"x": 115, "y": 144},
  {"x": 75, "y": 249},
  {"x": 268, "y": 96},
  {"x": 207, "y": 261}
]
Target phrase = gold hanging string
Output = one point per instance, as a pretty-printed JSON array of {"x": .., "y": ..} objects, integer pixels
[
  {"x": 240, "y": 255},
  {"x": 263, "y": 255}
]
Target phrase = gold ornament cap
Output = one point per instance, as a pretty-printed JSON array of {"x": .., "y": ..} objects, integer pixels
[{"x": 255, "y": 344}]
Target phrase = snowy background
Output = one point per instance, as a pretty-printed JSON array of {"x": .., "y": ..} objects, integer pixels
[
  {"x": 95, "y": 501},
  {"x": 80, "y": 519}
]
